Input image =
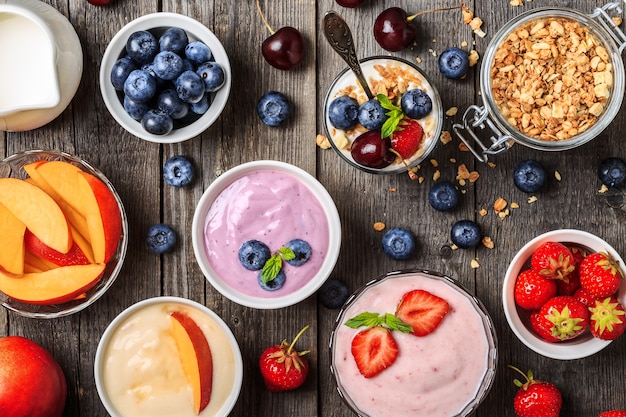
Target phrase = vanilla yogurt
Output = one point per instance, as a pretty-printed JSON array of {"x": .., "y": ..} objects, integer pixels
[
  {"x": 437, "y": 375},
  {"x": 271, "y": 206},
  {"x": 142, "y": 373},
  {"x": 391, "y": 77}
]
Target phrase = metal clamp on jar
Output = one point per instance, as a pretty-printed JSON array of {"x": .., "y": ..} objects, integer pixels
[{"x": 552, "y": 79}]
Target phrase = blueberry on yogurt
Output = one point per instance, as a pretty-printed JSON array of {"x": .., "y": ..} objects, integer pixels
[
  {"x": 273, "y": 284},
  {"x": 372, "y": 115},
  {"x": 253, "y": 254},
  {"x": 416, "y": 104},
  {"x": 301, "y": 250},
  {"x": 343, "y": 112}
]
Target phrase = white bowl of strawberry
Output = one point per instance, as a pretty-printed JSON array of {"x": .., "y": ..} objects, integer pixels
[{"x": 563, "y": 294}]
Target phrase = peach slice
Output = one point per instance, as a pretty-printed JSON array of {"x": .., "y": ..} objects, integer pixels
[
  {"x": 33, "y": 263},
  {"x": 12, "y": 234},
  {"x": 55, "y": 286},
  {"x": 195, "y": 355},
  {"x": 38, "y": 211},
  {"x": 74, "y": 256}
]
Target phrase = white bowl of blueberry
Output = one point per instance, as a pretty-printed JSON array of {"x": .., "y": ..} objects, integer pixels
[
  {"x": 266, "y": 234},
  {"x": 165, "y": 77},
  {"x": 391, "y": 132}
]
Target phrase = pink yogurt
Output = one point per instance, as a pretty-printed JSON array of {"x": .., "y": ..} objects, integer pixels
[
  {"x": 437, "y": 375},
  {"x": 273, "y": 207}
]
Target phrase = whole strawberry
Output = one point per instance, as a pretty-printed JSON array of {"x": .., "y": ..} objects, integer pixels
[
  {"x": 282, "y": 367},
  {"x": 407, "y": 137},
  {"x": 608, "y": 320},
  {"x": 600, "y": 275},
  {"x": 613, "y": 413},
  {"x": 553, "y": 260},
  {"x": 536, "y": 398},
  {"x": 561, "y": 318},
  {"x": 532, "y": 290},
  {"x": 572, "y": 284}
]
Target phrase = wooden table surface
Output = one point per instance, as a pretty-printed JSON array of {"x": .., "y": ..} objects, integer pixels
[{"x": 87, "y": 130}]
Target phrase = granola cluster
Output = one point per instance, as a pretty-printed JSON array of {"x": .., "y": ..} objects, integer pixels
[{"x": 551, "y": 78}]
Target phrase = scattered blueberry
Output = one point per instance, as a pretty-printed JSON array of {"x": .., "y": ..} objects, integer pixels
[
  {"x": 134, "y": 109},
  {"x": 301, "y": 249},
  {"x": 273, "y": 284},
  {"x": 372, "y": 115},
  {"x": 416, "y": 104},
  {"x": 174, "y": 39},
  {"x": 529, "y": 176},
  {"x": 169, "y": 103},
  {"x": 454, "y": 63},
  {"x": 465, "y": 234},
  {"x": 142, "y": 46},
  {"x": 190, "y": 87},
  {"x": 443, "y": 196},
  {"x": 612, "y": 172},
  {"x": 140, "y": 86},
  {"x": 120, "y": 71},
  {"x": 198, "y": 52},
  {"x": 161, "y": 238},
  {"x": 213, "y": 75},
  {"x": 157, "y": 122},
  {"x": 178, "y": 171},
  {"x": 167, "y": 65},
  {"x": 333, "y": 293},
  {"x": 343, "y": 112},
  {"x": 253, "y": 254},
  {"x": 398, "y": 243},
  {"x": 273, "y": 108}
]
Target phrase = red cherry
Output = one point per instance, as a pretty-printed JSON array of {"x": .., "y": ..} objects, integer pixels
[
  {"x": 393, "y": 31},
  {"x": 372, "y": 151},
  {"x": 284, "y": 49},
  {"x": 350, "y": 3}
]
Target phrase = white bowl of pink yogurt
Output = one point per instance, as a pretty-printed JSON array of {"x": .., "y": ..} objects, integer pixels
[
  {"x": 272, "y": 202},
  {"x": 446, "y": 373},
  {"x": 140, "y": 370}
]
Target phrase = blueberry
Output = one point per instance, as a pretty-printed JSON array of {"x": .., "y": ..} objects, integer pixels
[
  {"x": 149, "y": 67},
  {"x": 178, "y": 171},
  {"x": 161, "y": 238},
  {"x": 301, "y": 249},
  {"x": 140, "y": 86},
  {"x": 453, "y": 63},
  {"x": 169, "y": 102},
  {"x": 443, "y": 196},
  {"x": 612, "y": 172},
  {"x": 198, "y": 52},
  {"x": 343, "y": 112},
  {"x": 173, "y": 39},
  {"x": 190, "y": 87},
  {"x": 465, "y": 234},
  {"x": 142, "y": 46},
  {"x": 134, "y": 109},
  {"x": 416, "y": 104},
  {"x": 202, "y": 106},
  {"x": 213, "y": 75},
  {"x": 274, "y": 284},
  {"x": 253, "y": 254},
  {"x": 274, "y": 108},
  {"x": 333, "y": 293},
  {"x": 120, "y": 71},
  {"x": 157, "y": 122},
  {"x": 167, "y": 65},
  {"x": 529, "y": 176},
  {"x": 398, "y": 243},
  {"x": 371, "y": 115}
]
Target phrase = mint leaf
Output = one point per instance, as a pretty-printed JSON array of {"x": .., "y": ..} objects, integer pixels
[
  {"x": 286, "y": 253},
  {"x": 271, "y": 268},
  {"x": 365, "y": 319},
  {"x": 395, "y": 323},
  {"x": 395, "y": 115}
]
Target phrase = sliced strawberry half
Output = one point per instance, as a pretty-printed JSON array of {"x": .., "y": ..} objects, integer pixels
[
  {"x": 407, "y": 137},
  {"x": 422, "y": 310},
  {"x": 374, "y": 350}
]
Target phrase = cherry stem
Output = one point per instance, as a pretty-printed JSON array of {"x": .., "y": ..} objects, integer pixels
[
  {"x": 296, "y": 339},
  {"x": 412, "y": 174},
  {"x": 267, "y": 25},
  {"x": 443, "y": 9}
]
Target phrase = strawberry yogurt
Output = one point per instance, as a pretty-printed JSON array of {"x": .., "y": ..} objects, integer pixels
[
  {"x": 446, "y": 373},
  {"x": 274, "y": 207}
]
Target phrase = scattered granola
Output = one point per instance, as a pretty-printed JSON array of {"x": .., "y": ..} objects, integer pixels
[
  {"x": 514, "y": 205},
  {"x": 473, "y": 57},
  {"x": 463, "y": 147},
  {"x": 452, "y": 111},
  {"x": 515, "y": 3},
  {"x": 474, "y": 263},
  {"x": 551, "y": 78},
  {"x": 491, "y": 164},
  {"x": 603, "y": 189},
  {"x": 504, "y": 213},
  {"x": 436, "y": 175},
  {"x": 434, "y": 163},
  {"x": 464, "y": 174},
  {"x": 557, "y": 175},
  {"x": 482, "y": 212},
  {"x": 499, "y": 204},
  {"x": 379, "y": 226},
  {"x": 532, "y": 199},
  {"x": 453, "y": 160},
  {"x": 322, "y": 141},
  {"x": 445, "y": 137},
  {"x": 393, "y": 190},
  {"x": 476, "y": 24},
  {"x": 487, "y": 242}
]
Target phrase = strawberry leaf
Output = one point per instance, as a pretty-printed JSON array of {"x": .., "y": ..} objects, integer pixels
[
  {"x": 271, "y": 268},
  {"x": 394, "y": 113}
]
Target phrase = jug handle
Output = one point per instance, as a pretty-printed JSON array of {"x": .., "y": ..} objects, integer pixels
[{"x": 601, "y": 15}]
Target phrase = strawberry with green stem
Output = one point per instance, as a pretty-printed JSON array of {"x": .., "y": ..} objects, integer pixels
[
  {"x": 608, "y": 319},
  {"x": 553, "y": 260},
  {"x": 282, "y": 367},
  {"x": 536, "y": 398},
  {"x": 561, "y": 318},
  {"x": 600, "y": 274}
]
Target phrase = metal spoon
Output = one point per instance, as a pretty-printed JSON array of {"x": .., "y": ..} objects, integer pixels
[{"x": 339, "y": 36}]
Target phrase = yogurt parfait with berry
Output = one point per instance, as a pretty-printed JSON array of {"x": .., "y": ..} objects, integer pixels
[
  {"x": 266, "y": 234},
  {"x": 391, "y": 132}
]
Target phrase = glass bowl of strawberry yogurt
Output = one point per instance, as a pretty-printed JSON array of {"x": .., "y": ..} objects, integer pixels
[
  {"x": 519, "y": 318},
  {"x": 255, "y": 212},
  {"x": 391, "y": 77},
  {"x": 447, "y": 370}
]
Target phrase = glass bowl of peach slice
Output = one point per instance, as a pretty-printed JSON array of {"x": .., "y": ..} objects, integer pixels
[{"x": 65, "y": 234}]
